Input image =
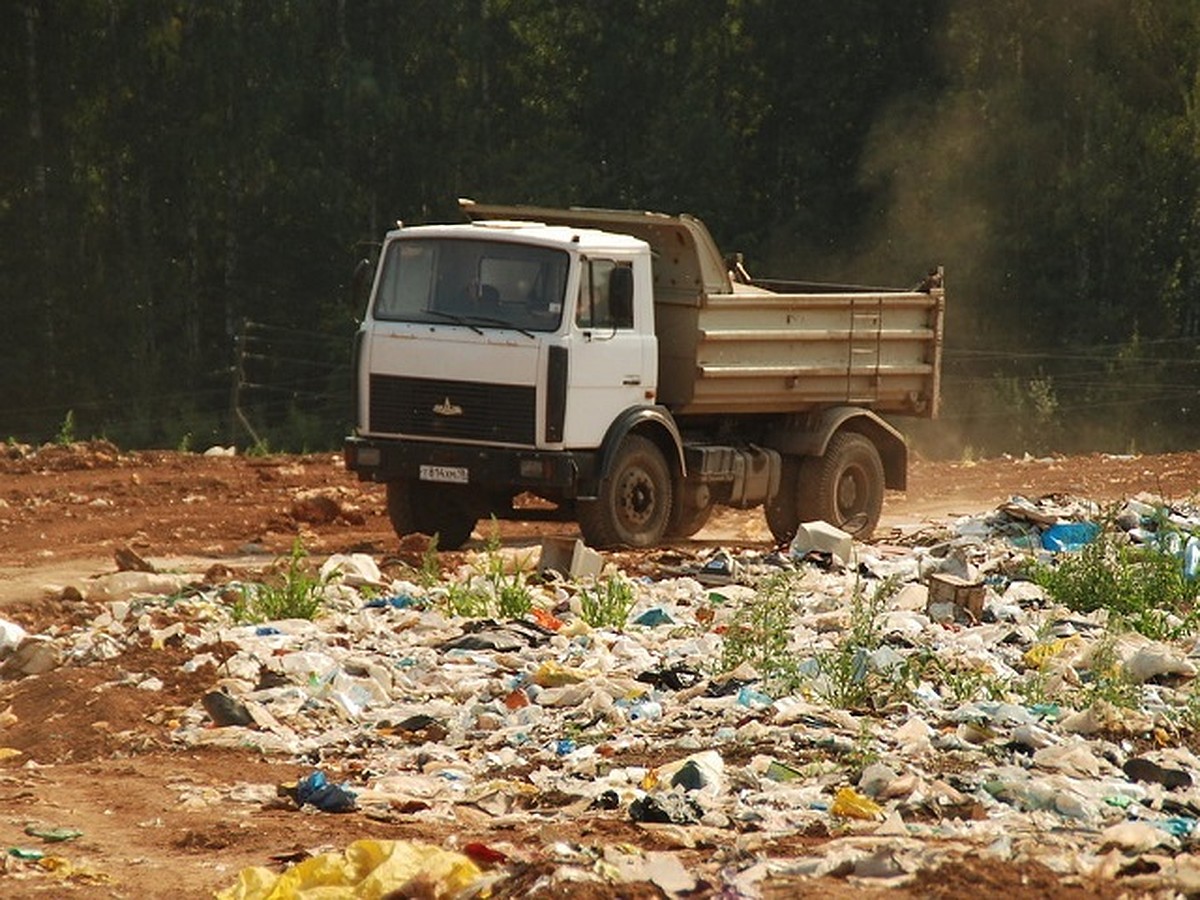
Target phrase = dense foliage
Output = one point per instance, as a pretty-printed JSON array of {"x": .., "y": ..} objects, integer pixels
[{"x": 185, "y": 187}]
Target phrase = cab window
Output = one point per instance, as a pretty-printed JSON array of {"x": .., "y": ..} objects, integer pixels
[{"x": 605, "y": 295}]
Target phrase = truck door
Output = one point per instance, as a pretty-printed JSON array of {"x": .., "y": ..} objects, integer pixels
[{"x": 609, "y": 351}]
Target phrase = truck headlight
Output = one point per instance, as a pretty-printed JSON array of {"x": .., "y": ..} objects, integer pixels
[{"x": 534, "y": 468}]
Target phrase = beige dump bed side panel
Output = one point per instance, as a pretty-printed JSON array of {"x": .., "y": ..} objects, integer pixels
[{"x": 759, "y": 351}]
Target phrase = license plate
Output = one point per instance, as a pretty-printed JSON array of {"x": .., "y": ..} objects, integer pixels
[{"x": 448, "y": 474}]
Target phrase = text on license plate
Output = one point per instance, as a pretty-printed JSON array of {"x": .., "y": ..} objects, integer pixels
[{"x": 451, "y": 474}]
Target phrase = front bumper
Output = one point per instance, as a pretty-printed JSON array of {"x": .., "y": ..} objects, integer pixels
[{"x": 565, "y": 473}]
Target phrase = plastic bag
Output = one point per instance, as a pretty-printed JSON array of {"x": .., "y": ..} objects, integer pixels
[
  {"x": 317, "y": 791},
  {"x": 850, "y": 804},
  {"x": 365, "y": 870}
]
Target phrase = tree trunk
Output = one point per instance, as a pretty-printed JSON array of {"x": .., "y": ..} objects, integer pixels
[{"x": 37, "y": 140}]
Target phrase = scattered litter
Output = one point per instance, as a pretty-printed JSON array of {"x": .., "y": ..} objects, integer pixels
[
  {"x": 667, "y": 808},
  {"x": 1141, "y": 769},
  {"x": 910, "y": 703},
  {"x": 1069, "y": 536},
  {"x": 654, "y": 616},
  {"x": 52, "y": 835},
  {"x": 11, "y": 636}
]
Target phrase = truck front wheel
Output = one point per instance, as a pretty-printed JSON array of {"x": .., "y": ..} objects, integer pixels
[
  {"x": 444, "y": 510},
  {"x": 844, "y": 487},
  {"x": 633, "y": 505}
]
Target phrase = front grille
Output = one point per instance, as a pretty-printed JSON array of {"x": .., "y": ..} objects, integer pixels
[{"x": 498, "y": 413}]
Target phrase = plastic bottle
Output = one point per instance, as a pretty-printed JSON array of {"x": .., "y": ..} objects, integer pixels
[{"x": 645, "y": 710}]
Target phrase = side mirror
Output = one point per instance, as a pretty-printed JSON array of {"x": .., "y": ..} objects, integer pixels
[
  {"x": 360, "y": 283},
  {"x": 620, "y": 296}
]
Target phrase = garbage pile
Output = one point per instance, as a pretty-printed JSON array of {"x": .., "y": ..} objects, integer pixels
[{"x": 1017, "y": 687}]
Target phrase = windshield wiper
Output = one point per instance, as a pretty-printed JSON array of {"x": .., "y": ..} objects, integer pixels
[
  {"x": 453, "y": 317},
  {"x": 470, "y": 320},
  {"x": 500, "y": 323}
]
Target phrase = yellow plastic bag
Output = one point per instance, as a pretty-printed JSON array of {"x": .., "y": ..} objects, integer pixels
[
  {"x": 1039, "y": 654},
  {"x": 365, "y": 870},
  {"x": 850, "y": 804},
  {"x": 552, "y": 674}
]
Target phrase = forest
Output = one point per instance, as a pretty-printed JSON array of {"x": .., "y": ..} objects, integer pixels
[{"x": 186, "y": 187}]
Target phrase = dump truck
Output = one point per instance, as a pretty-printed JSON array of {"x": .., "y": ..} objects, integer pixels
[{"x": 613, "y": 368}]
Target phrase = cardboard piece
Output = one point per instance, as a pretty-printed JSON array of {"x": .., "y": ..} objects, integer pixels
[
  {"x": 954, "y": 599},
  {"x": 570, "y": 557}
]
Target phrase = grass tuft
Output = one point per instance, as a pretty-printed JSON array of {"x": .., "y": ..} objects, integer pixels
[{"x": 296, "y": 593}]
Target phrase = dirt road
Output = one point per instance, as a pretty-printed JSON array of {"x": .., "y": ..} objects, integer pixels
[{"x": 64, "y": 510}]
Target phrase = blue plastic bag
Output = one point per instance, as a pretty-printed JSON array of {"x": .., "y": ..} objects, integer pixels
[
  {"x": 317, "y": 791},
  {"x": 1069, "y": 536}
]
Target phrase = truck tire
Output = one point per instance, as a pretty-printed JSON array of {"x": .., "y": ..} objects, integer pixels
[
  {"x": 633, "y": 505},
  {"x": 783, "y": 510},
  {"x": 844, "y": 487},
  {"x": 687, "y": 519},
  {"x": 416, "y": 506}
]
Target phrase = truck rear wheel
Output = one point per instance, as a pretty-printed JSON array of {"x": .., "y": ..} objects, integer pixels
[
  {"x": 633, "y": 504},
  {"x": 844, "y": 487},
  {"x": 687, "y": 519},
  {"x": 783, "y": 510},
  {"x": 444, "y": 510}
]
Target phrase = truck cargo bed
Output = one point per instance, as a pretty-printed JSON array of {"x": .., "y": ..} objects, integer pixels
[{"x": 754, "y": 350}]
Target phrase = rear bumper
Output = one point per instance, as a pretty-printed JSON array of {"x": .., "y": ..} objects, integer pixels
[{"x": 565, "y": 473}]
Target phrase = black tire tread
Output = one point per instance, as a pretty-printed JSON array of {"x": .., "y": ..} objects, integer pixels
[
  {"x": 415, "y": 506},
  {"x": 816, "y": 495},
  {"x": 783, "y": 517}
]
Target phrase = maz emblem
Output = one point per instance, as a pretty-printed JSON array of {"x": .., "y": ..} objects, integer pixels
[{"x": 446, "y": 408}]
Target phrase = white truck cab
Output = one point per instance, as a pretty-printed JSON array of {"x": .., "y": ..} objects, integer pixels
[{"x": 475, "y": 316}]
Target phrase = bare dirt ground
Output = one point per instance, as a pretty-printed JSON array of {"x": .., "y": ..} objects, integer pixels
[{"x": 96, "y": 754}]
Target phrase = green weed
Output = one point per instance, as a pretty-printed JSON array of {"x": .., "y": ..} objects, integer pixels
[
  {"x": 760, "y": 632},
  {"x": 865, "y": 751},
  {"x": 845, "y": 677},
  {"x": 510, "y": 589},
  {"x": 607, "y": 605},
  {"x": 296, "y": 593},
  {"x": 1143, "y": 586},
  {"x": 513, "y": 599},
  {"x": 1033, "y": 687},
  {"x": 430, "y": 572},
  {"x": 1106, "y": 678},
  {"x": 465, "y": 600},
  {"x": 1186, "y": 715},
  {"x": 66, "y": 431},
  {"x": 492, "y": 590},
  {"x": 969, "y": 685}
]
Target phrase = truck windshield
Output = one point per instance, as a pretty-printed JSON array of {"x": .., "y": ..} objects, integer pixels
[{"x": 481, "y": 284}]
